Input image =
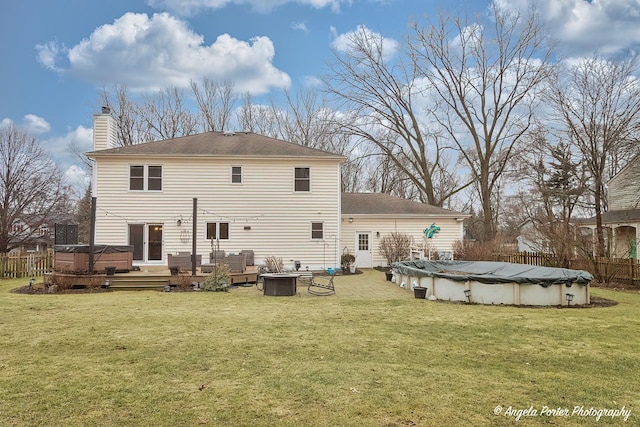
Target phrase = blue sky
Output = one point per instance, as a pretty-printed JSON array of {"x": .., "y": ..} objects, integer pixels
[{"x": 56, "y": 56}]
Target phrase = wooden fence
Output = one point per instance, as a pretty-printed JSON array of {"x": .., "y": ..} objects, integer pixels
[
  {"x": 608, "y": 269},
  {"x": 25, "y": 265}
]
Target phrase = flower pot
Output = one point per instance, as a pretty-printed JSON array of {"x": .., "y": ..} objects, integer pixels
[
  {"x": 352, "y": 269},
  {"x": 389, "y": 275},
  {"x": 110, "y": 271},
  {"x": 420, "y": 292}
]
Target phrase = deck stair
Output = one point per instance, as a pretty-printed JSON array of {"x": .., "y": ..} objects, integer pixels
[{"x": 141, "y": 283}]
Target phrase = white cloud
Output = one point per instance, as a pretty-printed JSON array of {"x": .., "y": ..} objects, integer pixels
[
  {"x": 148, "y": 53},
  {"x": 31, "y": 123},
  {"x": 300, "y": 26},
  {"x": 78, "y": 178},
  {"x": 345, "y": 42},
  {"x": 582, "y": 27},
  {"x": 312, "y": 82},
  {"x": 60, "y": 147},
  {"x": 48, "y": 54},
  {"x": 191, "y": 7},
  {"x": 36, "y": 125}
]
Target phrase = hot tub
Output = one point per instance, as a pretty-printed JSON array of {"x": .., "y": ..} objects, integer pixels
[
  {"x": 486, "y": 282},
  {"x": 75, "y": 258}
]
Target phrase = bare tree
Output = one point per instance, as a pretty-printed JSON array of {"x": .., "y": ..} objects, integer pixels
[
  {"x": 598, "y": 103},
  {"x": 558, "y": 180},
  {"x": 257, "y": 118},
  {"x": 381, "y": 97},
  {"x": 484, "y": 75},
  {"x": 215, "y": 100},
  {"x": 131, "y": 128},
  {"x": 31, "y": 187},
  {"x": 166, "y": 116}
]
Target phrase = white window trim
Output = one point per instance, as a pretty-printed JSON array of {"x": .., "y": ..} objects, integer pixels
[
  {"x": 315, "y": 239},
  {"x": 217, "y": 223},
  {"x": 145, "y": 178},
  {"x": 241, "y": 175},
  {"x": 294, "y": 180}
]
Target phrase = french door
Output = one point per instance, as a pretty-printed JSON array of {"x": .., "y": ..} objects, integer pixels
[{"x": 146, "y": 240}]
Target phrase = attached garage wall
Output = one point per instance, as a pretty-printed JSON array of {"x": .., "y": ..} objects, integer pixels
[{"x": 450, "y": 232}]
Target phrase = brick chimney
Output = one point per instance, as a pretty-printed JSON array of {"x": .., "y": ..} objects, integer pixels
[{"x": 105, "y": 134}]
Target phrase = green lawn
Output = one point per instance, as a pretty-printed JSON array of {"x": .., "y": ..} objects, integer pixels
[{"x": 185, "y": 359}]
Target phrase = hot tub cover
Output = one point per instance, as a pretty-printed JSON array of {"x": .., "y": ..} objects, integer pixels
[
  {"x": 97, "y": 249},
  {"x": 492, "y": 272}
]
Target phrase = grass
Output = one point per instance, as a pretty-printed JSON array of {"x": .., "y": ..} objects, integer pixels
[{"x": 163, "y": 359}]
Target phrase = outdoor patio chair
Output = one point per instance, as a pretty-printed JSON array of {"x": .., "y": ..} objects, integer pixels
[{"x": 320, "y": 285}]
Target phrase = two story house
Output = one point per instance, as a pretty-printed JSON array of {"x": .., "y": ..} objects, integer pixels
[
  {"x": 622, "y": 220},
  {"x": 243, "y": 191}
]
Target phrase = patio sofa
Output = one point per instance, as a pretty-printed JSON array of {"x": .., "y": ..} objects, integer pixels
[{"x": 182, "y": 261}]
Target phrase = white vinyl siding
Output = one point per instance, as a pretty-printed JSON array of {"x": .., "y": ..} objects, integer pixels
[
  {"x": 261, "y": 213},
  {"x": 623, "y": 188},
  {"x": 450, "y": 232}
]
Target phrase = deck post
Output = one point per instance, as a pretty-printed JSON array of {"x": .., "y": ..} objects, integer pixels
[
  {"x": 92, "y": 234},
  {"x": 194, "y": 246}
]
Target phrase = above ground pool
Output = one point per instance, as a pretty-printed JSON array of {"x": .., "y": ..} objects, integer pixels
[{"x": 486, "y": 282}]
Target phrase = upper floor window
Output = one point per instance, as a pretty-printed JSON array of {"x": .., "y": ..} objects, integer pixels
[
  {"x": 302, "y": 179},
  {"x": 236, "y": 174},
  {"x": 145, "y": 178},
  {"x": 44, "y": 230}
]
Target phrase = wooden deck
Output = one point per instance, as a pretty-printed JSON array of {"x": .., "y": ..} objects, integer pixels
[{"x": 156, "y": 278}]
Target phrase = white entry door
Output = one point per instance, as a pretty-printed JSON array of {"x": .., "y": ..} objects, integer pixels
[{"x": 364, "y": 257}]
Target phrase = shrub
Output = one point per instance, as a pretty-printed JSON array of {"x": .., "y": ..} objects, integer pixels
[
  {"x": 274, "y": 265},
  {"x": 346, "y": 260},
  {"x": 396, "y": 247},
  {"x": 219, "y": 280}
]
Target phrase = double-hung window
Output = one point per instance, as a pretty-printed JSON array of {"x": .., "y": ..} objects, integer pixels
[
  {"x": 218, "y": 231},
  {"x": 302, "y": 179},
  {"x": 145, "y": 178},
  {"x": 317, "y": 231},
  {"x": 236, "y": 174}
]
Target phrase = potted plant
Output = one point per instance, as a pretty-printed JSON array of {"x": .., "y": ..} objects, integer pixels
[{"x": 347, "y": 261}]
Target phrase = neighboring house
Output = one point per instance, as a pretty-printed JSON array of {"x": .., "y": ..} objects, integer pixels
[
  {"x": 250, "y": 192},
  {"x": 530, "y": 239},
  {"x": 622, "y": 220},
  {"x": 31, "y": 234},
  {"x": 368, "y": 217}
]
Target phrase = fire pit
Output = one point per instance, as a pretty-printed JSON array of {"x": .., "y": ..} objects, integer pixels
[{"x": 280, "y": 284}]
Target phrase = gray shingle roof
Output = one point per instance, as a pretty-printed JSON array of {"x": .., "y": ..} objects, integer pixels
[
  {"x": 384, "y": 204},
  {"x": 218, "y": 144}
]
